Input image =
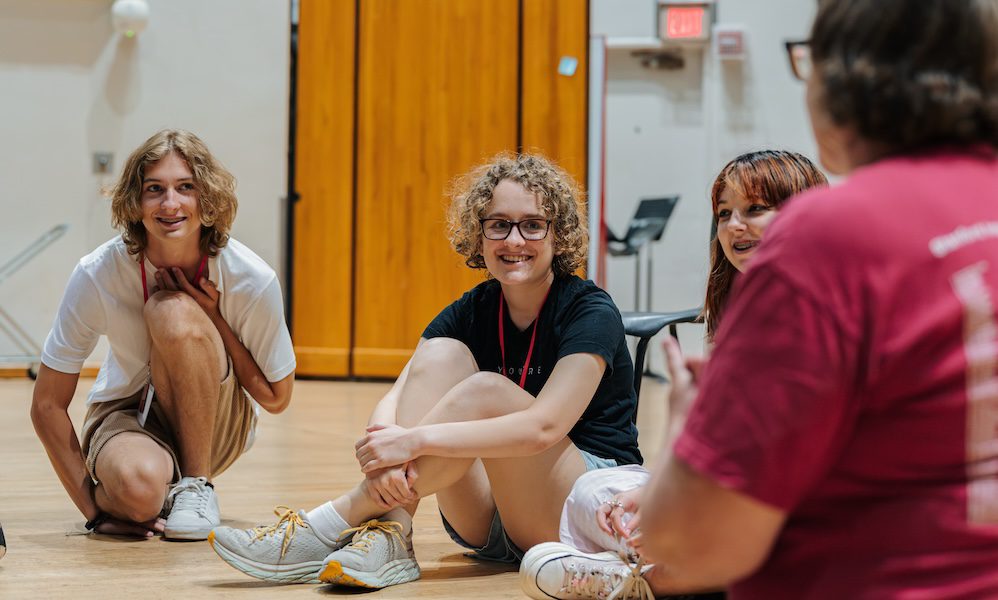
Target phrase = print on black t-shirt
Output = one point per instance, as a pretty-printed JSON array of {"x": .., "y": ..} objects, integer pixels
[{"x": 578, "y": 317}]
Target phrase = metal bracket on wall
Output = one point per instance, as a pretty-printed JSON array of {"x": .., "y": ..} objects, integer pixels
[{"x": 668, "y": 59}]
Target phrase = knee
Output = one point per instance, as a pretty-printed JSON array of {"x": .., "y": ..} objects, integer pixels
[
  {"x": 488, "y": 395},
  {"x": 137, "y": 490},
  {"x": 174, "y": 317},
  {"x": 441, "y": 355}
]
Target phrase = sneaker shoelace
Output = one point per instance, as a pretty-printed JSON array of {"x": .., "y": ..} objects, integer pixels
[
  {"x": 288, "y": 520},
  {"x": 191, "y": 495},
  {"x": 607, "y": 583},
  {"x": 365, "y": 535}
]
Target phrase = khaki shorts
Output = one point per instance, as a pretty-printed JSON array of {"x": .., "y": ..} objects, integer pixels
[{"x": 234, "y": 426}]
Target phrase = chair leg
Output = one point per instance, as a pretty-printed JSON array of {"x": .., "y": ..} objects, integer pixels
[{"x": 639, "y": 363}]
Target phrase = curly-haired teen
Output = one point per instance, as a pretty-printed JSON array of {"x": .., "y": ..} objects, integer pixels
[
  {"x": 192, "y": 318},
  {"x": 843, "y": 442},
  {"x": 514, "y": 391}
]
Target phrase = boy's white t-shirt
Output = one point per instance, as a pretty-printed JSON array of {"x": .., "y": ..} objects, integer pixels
[{"x": 104, "y": 297}]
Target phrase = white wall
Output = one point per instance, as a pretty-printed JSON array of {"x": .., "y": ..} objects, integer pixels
[
  {"x": 69, "y": 86},
  {"x": 670, "y": 132}
]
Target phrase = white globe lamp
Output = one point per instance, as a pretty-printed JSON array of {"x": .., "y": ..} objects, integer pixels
[{"x": 130, "y": 17}]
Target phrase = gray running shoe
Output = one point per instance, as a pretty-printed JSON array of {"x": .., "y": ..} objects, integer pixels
[
  {"x": 379, "y": 554},
  {"x": 287, "y": 551}
]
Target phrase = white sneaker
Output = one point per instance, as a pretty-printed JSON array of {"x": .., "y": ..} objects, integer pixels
[
  {"x": 553, "y": 570},
  {"x": 287, "y": 551},
  {"x": 380, "y": 554},
  {"x": 193, "y": 510}
]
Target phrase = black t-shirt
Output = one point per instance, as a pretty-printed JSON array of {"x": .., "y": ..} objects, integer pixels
[{"x": 578, "y": 317}]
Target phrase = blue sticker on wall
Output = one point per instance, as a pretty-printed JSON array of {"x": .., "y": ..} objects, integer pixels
[{"x": 568, "y": 65}]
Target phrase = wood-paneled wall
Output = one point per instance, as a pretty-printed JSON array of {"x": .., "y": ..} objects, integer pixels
[
  {"x": 554, "y": 116},
  {"x": 324, "y": 163},
  {"x": 441, "y": 86},
  {"x": 438, "y": 94}
]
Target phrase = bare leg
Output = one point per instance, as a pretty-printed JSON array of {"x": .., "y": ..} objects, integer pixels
[
  {"x": 188, "y": 363},
  {"x": 529, "y": 491},
  {"x": 462, "y": 488},
  {"x": 134, "y": 472},
  {"x": 467, "y": 501}
]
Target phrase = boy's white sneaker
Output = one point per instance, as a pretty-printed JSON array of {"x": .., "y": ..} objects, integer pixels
[{"x": 193, "y": 510}]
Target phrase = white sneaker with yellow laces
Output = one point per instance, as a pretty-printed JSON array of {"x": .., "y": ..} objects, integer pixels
[
  {"x": 287, "y": 551},
  {"x": 379, "y": 554}
]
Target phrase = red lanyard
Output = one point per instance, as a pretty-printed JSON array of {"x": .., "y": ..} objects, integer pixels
[
  {"x": 533, "y": 338},
  {"x": 145, "y": 287}
]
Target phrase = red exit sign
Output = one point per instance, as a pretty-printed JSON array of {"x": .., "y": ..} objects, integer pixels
[{"x": 685, "y": 22}]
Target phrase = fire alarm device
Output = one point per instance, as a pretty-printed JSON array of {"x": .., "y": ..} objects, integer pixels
[{"x": 729, "y": 42}]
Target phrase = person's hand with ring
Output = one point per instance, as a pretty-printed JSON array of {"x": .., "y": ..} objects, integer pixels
[{"x": 617, "y": 516}]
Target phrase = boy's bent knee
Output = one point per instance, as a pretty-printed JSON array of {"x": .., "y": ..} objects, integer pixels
[
  {"x": 136, "y": 490},
  {"x": 175, "y": 316}
]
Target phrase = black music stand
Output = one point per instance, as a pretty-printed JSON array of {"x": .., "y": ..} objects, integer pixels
[{"x": 646, "y": 226}]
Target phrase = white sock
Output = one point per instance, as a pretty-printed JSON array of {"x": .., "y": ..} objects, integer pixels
[
  {"x": 400, "y": 515},
  {"x": 326, "y": 523}
]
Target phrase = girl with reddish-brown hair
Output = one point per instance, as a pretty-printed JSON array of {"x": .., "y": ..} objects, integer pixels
[{"x": 745, "y": 197}]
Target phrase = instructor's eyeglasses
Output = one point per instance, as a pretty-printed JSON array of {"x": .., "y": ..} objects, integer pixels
[
  {"x": 530, "y": 229},
  {"x": 799, "y": 53}
]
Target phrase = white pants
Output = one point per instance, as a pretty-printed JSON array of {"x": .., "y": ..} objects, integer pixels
[{"x": 578, "y": 517}]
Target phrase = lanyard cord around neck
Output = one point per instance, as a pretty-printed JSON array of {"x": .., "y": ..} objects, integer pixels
[
  {"x": 533, "y": 337},
  {"x": 145, "y": 286}
]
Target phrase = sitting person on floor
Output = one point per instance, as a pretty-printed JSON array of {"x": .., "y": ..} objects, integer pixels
[{"x": 514, "y": 391}]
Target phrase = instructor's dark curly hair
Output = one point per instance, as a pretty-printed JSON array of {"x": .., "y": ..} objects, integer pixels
[{"x": 910, "y": 74}]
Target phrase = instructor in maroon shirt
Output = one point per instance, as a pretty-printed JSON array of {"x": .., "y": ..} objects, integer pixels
[{"x": 843, "y": 442}]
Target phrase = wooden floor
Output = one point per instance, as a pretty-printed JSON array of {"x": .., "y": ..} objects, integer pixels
[{"x": 301, "y": 458}]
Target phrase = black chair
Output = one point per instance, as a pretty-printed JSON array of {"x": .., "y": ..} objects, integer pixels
[{"x": 644, "y": 326}]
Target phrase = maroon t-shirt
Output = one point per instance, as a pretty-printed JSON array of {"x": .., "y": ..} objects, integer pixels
[{"x": 854, "y": 385}]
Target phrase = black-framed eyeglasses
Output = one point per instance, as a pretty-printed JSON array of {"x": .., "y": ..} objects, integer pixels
[
  {"x": 530, "y": 229},
  {"x": 799, "y": 53}
]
